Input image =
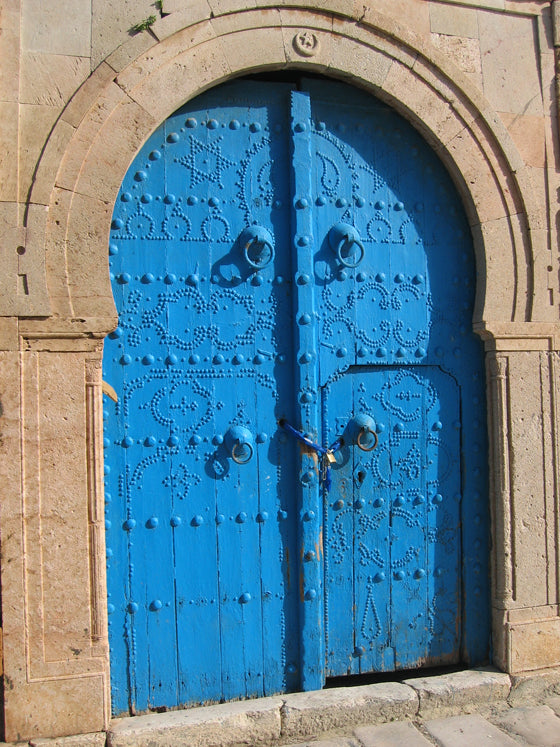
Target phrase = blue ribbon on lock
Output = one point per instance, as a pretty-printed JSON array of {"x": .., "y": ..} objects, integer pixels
[{"x": 327, "y": 454}]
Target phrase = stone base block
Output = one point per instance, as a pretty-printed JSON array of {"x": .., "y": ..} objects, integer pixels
[
  {"x": 473, "y": 690},
  {"x": 534, "y": 644},
  {"x": 249, "y": 722},
  {"x": 307, "y": 714}
]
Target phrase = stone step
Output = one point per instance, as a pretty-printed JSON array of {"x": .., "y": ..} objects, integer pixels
[{"x": 297, "y": 716}]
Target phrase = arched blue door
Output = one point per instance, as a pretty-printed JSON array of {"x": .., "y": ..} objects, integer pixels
[{"x": 290, "y": 261}]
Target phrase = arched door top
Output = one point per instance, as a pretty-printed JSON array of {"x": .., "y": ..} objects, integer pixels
[{"x": 93, "y": 143}]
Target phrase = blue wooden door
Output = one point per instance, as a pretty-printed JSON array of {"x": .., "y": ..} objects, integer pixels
[{"x": 280, "y": 257}]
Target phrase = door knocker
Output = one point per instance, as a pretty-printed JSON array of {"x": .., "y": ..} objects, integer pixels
[
  {"x": 344, "y": 240},
  {"x": 361, "y": 430}
]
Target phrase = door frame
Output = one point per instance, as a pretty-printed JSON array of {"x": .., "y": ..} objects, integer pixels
[{"x": 78, "y": 177}]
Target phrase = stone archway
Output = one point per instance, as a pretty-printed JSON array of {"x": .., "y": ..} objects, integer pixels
[{"x": 389, "y": 62}]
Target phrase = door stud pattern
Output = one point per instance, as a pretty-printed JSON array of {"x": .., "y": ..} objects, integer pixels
[
  {"x": 197, "y": 476},
  {"x": 275, "y": 258}
]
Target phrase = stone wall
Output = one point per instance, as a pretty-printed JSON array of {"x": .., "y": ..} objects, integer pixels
[{"x": 79, "y": 93}]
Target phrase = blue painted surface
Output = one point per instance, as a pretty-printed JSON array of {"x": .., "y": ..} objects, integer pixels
[{"x": 232, "y": 571}]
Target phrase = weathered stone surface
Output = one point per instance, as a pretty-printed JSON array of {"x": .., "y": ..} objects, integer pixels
[
  {"x": 453, "y": 21},
  {"x": 9, "y": 151},
  {"x": 349, "y": 56},
  {"x": 434, "y": 116},
  {"x": 36, "y": 121},
  {"x": 321, "y": 711},
  {"x": 464, "y": 52},
  {"x": 112, "y": 24},
  {"x": 44, "y": 177},
  {"x": 413, "y": 13},
  {"x": 528, "y": 134},
  {"x": 490, "y": 4},
  {"x": 338, "y": 741},
  {"x": 97, "y": 739},
  {"x": 248, "y": 722},
  {"x": 10, "y": 53},
  {"x": 554, "y": 704},
  {"x": 509, "y": 88},
  {"x": 91, "y": 89},
  {"x": 397, "y": 734},
  {"x": 8, "y": 333},
  {"x": 32, "y": 293},
  {"x": 471, "y": 690},
  {"x": 51, "y": 79},
  {"x": 57, "y": 27},
  {"x": 107, "y": 159},
  {"x": 12, "y": 237},
  {"x": 535, "y": 644},
  {"x": 538, "y": 725},
  {"x": 466, "y": 731}
]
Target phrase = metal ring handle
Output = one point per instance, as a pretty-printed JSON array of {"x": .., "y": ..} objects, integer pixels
[
  {"x": 350, "y": 240},
  {"x": 255, "y": 240},
  {"x": 235, "y": 452},
  {"x": 359, "y": 439}
]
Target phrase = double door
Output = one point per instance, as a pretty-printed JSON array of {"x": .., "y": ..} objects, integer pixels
[{"x": 292, "y": 271}]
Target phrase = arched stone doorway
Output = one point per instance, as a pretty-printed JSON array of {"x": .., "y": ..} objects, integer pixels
[{"x": 79, "y": 176}]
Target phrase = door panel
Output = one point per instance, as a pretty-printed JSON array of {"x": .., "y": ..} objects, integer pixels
[
  {"x": 392, "y": 524},
  {"x": 204, "y": 344},
  {"x": 233, "y": 571},
  {"x": 407, "y": 303}
]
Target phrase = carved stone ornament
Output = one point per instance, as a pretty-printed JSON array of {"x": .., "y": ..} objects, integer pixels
[{"x": 306, "y": 43}]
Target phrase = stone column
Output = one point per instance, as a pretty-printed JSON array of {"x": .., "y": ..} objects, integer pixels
[
  {"x": 56, "y": 661},
  {"x": 523, "y": 383}
]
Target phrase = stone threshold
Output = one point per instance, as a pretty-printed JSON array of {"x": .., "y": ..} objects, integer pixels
[{"x": 283, "y": 719}]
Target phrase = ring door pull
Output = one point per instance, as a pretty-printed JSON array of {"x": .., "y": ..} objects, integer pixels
[
  {"x": 345, "y": 242},
  {"x": 239, "y": 442},
  {"x": 361, "y": 430},
  {"x": 258, "y": 247}
]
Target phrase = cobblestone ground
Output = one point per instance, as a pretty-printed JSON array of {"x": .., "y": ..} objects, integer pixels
[{"x": 529, "y": 725}]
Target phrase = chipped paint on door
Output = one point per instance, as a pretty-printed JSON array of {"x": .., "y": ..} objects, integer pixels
[{"x": 290, "y": 253}]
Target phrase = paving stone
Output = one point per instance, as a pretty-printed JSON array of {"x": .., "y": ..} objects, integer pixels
[
  {"x": 335, "y": 742},
  {"x": 534, "y": 688},
  {"x": 537, "y": 725},
  {"x": 396, "y": 734},
  {"x": 466, "y": 731},
  {"x": 554, "y": 703}
]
